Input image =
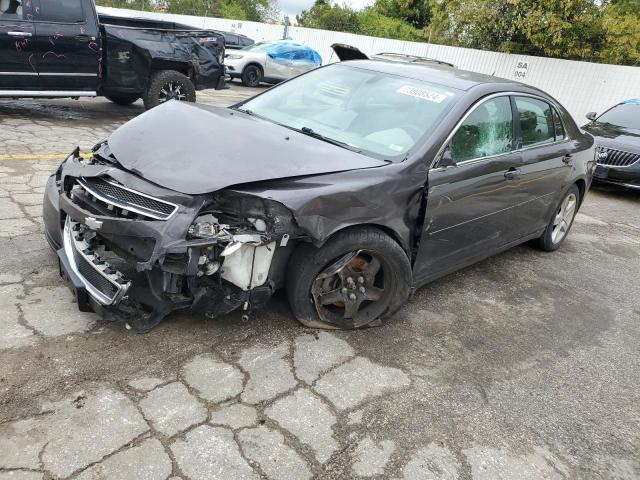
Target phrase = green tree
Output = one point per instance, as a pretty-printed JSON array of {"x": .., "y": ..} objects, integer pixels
[
  {"x": 368, "y": 22},
  {"x": 621, "y": 24},
  {"x": 130, "y": 4},
  {"x": 569, "y": 29},
  {"x": 232, "y": 10},
  {"x": 416, "y": 13},
  {"x": 375, "y": 24},
  {"x": 329, "y": 17},
  {"x": 193, "y": 7},
  {"x": 255, "y": 10}
]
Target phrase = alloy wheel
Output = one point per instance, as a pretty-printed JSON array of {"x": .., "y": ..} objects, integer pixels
[
  {"x": 564, "y": 217},
  {"x": 171, "y": 91}
]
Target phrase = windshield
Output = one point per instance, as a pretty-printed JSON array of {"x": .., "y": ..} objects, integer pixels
[
  {"x": 626, "y": 115},
  {"x": 376, "y": 113}
]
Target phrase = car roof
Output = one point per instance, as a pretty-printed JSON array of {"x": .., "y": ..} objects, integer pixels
[
  {"x": 434, "y": 73},
  {"x": 403, "y": 57}
]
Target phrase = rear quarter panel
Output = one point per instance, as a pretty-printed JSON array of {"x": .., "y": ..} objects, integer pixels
[{"x": 133, "y": 53}]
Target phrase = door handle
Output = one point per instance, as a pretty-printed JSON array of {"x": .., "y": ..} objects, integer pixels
[
  {"x": 19, "y": 34},
  {"x": 568, "y": 158},
  {"x": 512, "y": 173},
  {"x": 83, "y": 37}
]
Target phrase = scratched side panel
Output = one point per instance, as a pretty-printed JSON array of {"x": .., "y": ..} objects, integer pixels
[{"x": 132, "y": 53}]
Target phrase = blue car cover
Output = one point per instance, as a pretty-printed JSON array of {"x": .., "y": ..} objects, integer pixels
[{"x": 291, "y": 51}]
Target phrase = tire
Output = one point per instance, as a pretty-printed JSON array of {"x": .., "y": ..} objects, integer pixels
[
  {"x": 563, "y": 214},
  {"x": 123, "y": 99},
  {"x": 307, "y": 289},
  {"x": 168, "y": 85},
  {"x": 251, "y": 76}
]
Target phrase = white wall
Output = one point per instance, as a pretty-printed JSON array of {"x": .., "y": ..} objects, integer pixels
[{"x": 580, "y": 86}]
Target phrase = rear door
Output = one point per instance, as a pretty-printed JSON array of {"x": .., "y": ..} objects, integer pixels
[
  {"x": 301, "y": 62},
  {"x": 469, "y": 204},
  {"x": 278, "y": 65},
  {"x": 18, "y": 55},
  {"x": 546, "y": 162},
  {"x": 68, "y": 45}
]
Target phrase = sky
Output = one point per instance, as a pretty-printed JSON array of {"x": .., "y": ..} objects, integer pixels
[{"x": 294, "y": 7}]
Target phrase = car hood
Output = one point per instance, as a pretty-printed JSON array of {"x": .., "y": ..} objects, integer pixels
[
  {"x": 613, "y": 136},
  {"x": 197, "y": 149}
]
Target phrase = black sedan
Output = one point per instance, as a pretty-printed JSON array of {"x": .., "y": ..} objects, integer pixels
[
  {"x": 348, "y": 186},
  {"x": 617, "y": 133}
]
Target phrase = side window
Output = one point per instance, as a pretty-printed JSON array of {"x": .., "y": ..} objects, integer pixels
[
  {"x": 487, "y": 131},
  {"x": 558, "y": 125},
  {"x": 10, "y": 9},
  {"x": 536, "y": 121},
  {"x": 64, "y": 11}
]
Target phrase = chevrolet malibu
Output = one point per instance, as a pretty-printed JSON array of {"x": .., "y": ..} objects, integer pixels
[{"x": 348, "y": 186}]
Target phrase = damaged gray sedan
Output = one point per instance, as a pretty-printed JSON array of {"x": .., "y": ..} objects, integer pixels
[{"x": 348, "y": 186}]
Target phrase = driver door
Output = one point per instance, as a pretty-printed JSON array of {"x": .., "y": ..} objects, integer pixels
[
  {"x": 18, "y": 54},
  {"x": 470, "y": 202}
]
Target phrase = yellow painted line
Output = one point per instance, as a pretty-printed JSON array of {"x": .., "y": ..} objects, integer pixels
[{"x": 39, "y": 156}]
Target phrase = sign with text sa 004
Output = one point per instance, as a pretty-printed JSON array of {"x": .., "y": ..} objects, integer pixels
[{"x": 520, "y": 72}]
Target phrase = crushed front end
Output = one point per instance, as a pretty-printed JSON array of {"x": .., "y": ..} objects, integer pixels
[{"x": 134, "y": 251}]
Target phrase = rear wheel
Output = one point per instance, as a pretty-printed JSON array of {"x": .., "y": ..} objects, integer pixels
[
  {"x": 123, "y": 98},
  {"x": 251, "y": 76},
  {"x": 168, "y": 85},
  {"x": 358, "y": 278},
  {"x": 561, "y": 222}
]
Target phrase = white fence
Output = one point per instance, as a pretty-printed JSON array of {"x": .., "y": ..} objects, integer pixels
[{"x": 580, "y": 86}]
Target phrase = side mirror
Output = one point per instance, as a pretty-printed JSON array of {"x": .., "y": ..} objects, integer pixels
[
  {"x": 591, "y": 116},
  {"x": 446, "y": 160}
]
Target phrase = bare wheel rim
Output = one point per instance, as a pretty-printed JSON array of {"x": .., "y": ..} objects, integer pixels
[
  {"x": 172, "y": 91},
  {"x": 252, "y": 75},
  {"x": 352, "y": 291},
  {"x": 563, "y": 218}
]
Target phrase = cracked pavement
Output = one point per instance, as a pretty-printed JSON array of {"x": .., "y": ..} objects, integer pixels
[{"x": 525, "y": 366}]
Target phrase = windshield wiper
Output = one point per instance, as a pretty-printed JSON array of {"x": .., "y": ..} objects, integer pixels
[
  {"x": 310, "y": 132},
  {"x": 243, "y": 110},
  {"x": 305, "y": 130}
]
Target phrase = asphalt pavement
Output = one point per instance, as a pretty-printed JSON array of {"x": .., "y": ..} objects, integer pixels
[{"x": 524, "y": 366}]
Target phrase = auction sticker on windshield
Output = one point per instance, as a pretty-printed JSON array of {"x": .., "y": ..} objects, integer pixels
[{"x": 422, "y": 93}]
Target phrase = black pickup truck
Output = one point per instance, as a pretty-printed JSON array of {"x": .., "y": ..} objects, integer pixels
[{"x": 62, "y": 48}]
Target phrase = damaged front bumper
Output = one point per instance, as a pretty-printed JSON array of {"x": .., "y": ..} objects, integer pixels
[{"x": 135, "y": 252}]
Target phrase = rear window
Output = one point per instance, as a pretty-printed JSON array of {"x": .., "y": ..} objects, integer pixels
[
  {"x": 626, "y": 115},
  {"x": 63, "y": 11},
  {"x": 536, "y": 121}
]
